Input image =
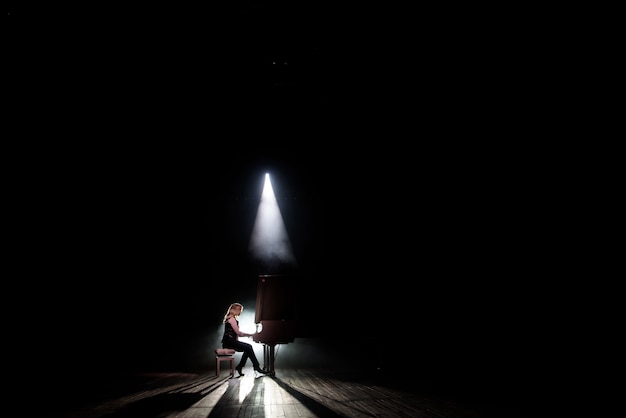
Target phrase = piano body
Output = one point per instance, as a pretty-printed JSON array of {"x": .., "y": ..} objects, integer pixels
[{"x": 275, "y": 315}]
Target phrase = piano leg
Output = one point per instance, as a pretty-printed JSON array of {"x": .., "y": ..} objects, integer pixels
[{"x": 269, "y": 351}]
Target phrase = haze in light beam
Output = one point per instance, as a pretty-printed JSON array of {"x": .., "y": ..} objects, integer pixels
[{"x": 269, "y": 242}]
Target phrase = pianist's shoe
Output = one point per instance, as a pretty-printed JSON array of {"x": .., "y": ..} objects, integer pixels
[
  {"x": 261, "y": 371},
  {"x": 238, "y": 368}
]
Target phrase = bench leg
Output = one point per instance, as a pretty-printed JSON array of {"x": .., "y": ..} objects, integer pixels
[{"x": 220, "y": 359}]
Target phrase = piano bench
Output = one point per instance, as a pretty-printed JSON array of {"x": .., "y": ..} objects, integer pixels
[{"x": 224, "y": 354}]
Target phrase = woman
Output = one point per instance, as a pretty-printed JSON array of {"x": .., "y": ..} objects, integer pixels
[{"x": 231, "y": 338}]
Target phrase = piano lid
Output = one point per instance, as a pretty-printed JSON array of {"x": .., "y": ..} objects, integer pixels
[{"x": 275, "y": 299}]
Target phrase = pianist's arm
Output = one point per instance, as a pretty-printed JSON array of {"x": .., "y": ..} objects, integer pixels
[{"x": 235, "y": 326}]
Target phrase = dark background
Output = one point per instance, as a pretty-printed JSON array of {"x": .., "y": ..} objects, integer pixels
[{"x": 423, "y": 214}]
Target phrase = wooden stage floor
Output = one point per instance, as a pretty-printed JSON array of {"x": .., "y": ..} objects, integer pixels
[{"x": 303, "y": 393}]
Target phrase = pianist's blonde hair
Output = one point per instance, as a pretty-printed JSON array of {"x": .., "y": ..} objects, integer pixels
[{"x": 234, "y": 310}]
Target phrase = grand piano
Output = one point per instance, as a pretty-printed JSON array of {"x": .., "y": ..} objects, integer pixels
[{"x": 275, "y": 315}]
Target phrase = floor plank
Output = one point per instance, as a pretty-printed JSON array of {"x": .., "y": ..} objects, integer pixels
[{"x": 302, "y": 393}]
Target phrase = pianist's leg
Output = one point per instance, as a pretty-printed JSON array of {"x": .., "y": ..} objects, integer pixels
[{"x": 248, "y": 352}]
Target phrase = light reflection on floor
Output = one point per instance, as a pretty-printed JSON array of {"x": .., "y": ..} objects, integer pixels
[{"x": 245, "y": 386}]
